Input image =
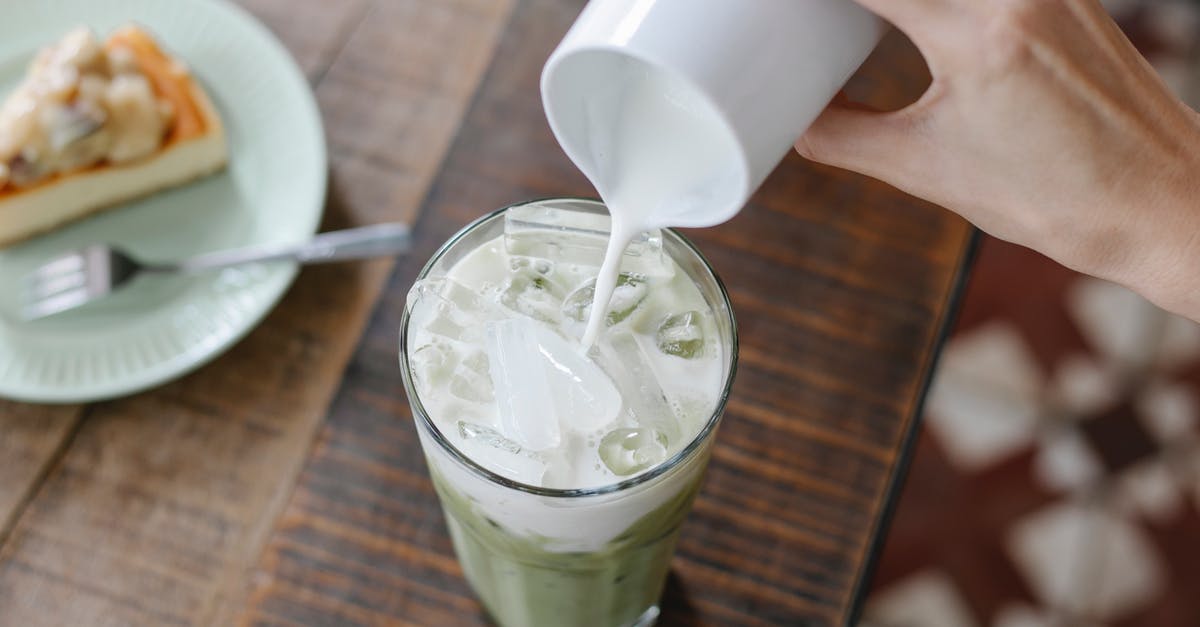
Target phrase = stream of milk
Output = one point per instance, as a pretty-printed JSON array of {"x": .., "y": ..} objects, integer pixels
[{"x": 655, "y": 157}]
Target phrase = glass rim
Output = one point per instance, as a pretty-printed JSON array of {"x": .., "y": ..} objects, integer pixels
[{"x": 684, "y": 454}]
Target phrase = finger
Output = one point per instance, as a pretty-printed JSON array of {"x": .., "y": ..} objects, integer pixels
[
  {"x": 841, "y": 99},
  {"x": 926, "y": 22},
  {"x": 905, "y": 14},
  {"x": 854, "y": 137}
]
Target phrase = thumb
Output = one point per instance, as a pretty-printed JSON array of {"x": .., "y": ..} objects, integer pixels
[{"x": 856, "y": 137}]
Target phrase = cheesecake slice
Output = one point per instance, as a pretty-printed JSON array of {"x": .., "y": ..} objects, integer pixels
[{"x": 94, "y": 124}]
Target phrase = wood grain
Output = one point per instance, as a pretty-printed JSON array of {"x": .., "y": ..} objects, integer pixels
[
  {"x": 842, "y": 286},
  {"x": 34, "y": 435},
  {"x": 314, "y": 32},
  {"x": 155, "y": 507},
  {"x": 31, "y": 439}
]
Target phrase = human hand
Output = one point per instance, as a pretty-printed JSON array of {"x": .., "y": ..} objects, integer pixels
[{"x": 1045, "y": 127}]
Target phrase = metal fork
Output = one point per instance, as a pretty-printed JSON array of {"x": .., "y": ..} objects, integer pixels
[{"x": 85, "y": 275}]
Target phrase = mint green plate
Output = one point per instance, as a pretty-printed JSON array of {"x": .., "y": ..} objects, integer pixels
[{"x": 273, "y": 191}]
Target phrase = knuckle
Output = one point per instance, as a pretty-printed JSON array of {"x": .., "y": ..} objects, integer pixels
[
  {"x": 1021, "y": 13},
  {"x": 1011, "y": 30}
]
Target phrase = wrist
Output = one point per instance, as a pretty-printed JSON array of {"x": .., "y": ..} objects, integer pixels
[
  {"x": 1138, "y": 222},
  {"x": 1161, "y": 258},
  {"x": 1170, "y": 276}
]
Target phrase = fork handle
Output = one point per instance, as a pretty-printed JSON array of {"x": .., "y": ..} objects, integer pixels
[{"x": 376, "y": 240}]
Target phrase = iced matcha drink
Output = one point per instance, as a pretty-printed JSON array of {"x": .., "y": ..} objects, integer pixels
[{"x": 565, "y": 473}]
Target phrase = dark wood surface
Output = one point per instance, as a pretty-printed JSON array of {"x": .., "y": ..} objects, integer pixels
[{"x": 283, "y": 484}]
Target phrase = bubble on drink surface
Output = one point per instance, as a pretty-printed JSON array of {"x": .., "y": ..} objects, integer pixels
[
  {"x": 490, "y": 449},
  {"x": 631, "y": 450},
  {"x": 631, "y": 290},
  {"x": 569, "y": 233},
  {"x": 472, "y": 379},
  {"x": 531, "y": 289},
  {"x": 681, "y": 335}
]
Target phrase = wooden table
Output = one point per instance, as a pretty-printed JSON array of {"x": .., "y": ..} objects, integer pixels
[{"x": 282, "y": 484}]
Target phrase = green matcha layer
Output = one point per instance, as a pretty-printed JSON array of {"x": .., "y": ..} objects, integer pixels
[{"x": 522, "y": 584}]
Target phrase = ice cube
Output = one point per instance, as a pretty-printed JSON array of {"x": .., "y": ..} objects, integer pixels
[
  {"x": 584, "y": 396},
  {"x": 488, "y": 448},
  {"x": 522, "y": 389},
  {"x": 578, "y": 304},
  {"x": 472, "y": 380},
  {"x": 622, "y": 358},
  {"x": 532, "y": 290},
  {"x": 631, "y": 290},
  {"x": 577, "y": 236},
  {"x": 447, "y": 308},
  {"x": 432, "y": 365},
  {"x": 487, "y": 435},
  {"x": 628, "y": 451},
  {"x": 681, "y": 335},
  {"x": 543, "y": 384}
]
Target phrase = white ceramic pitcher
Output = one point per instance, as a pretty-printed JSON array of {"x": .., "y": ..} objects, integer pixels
[{"x": 764, "y": 68}]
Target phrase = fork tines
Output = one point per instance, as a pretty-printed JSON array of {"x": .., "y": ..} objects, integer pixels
[{"x": 57, "y": 285}]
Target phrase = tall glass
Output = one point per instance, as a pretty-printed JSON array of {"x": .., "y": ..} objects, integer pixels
[{"x": 542, "y": 557}]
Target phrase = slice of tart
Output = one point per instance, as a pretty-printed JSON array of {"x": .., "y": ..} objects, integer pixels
[{"x": 94, "y": 124}]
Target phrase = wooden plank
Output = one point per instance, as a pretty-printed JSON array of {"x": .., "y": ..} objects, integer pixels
[
  {"x": 314, "y": 32},
  {"x": 34, "y": 435},
  {"x": 31, "y": 439},
  {"x": 162, "y": 501},
  {"x": 395, "y": 96},
  {"x": 841, "y": 285}
]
